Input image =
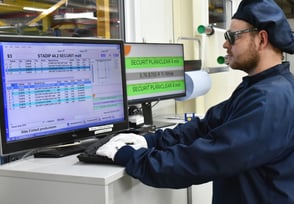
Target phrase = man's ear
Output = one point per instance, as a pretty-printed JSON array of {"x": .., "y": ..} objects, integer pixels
[{"x": 263, "y": 36}]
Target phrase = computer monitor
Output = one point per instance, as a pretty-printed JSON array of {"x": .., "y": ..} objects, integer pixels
[
  {"x": 154, "y": 71},
  {"x": 59, "y": 90}
]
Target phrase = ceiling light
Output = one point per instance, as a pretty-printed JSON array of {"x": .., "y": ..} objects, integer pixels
[
  {"x": 87, "y": 15},
  {"x": 33, "y": 9}
]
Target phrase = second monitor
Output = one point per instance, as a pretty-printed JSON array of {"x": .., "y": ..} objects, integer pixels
[{"x": 154, "y": 72}]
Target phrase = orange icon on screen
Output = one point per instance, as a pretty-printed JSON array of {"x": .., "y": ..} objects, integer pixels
[{"x": 127, "y": 49}]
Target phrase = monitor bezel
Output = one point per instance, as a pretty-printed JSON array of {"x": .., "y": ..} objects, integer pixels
[
  {"x": 8, "y": 148},
  {"x": 144, "y": 100}
]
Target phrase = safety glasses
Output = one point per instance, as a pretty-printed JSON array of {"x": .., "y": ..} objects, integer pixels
[{"x": 231, "y": 37}]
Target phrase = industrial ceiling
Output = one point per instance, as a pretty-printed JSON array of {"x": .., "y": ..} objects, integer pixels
[{"x": 45, "y": 17}]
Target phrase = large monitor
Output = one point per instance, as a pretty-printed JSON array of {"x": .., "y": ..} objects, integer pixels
[
  {"x": 59, "y": 90},
  {"x": 154, "y": 71}
]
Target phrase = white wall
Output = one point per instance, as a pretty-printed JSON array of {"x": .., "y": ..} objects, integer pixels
[
  {"x": 151, "y": 21},
  {"x": 223, "y": 83}
]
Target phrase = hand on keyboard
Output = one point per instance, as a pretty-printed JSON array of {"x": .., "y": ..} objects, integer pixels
[{"x": 110, "y": 148}]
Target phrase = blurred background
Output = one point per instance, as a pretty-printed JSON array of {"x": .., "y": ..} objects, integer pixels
[{"x": 79, "y": 18}]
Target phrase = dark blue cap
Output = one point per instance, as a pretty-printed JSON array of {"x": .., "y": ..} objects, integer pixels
[{"x": 267, "y": 15}]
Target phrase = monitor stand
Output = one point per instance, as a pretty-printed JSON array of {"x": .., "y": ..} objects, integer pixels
[{"x": 148, "y": 118}]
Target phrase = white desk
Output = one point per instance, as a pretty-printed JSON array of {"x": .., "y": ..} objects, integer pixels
[{"x": 68, "y": 181}]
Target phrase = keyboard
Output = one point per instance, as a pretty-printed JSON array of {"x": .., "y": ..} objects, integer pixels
[{"x": 90, "y": 156}]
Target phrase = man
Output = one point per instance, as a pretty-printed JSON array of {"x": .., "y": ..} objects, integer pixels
[{"x": 245, "y": 145}]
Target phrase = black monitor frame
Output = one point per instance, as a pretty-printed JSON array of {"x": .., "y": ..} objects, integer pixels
[
  {"x": 146, "y": 102},
  {"x": 8, "y": 148}
]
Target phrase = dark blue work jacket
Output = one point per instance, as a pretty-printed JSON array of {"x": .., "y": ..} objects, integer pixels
[{"x": 245, "y": 145}]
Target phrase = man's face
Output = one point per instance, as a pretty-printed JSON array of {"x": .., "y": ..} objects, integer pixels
[{"x": 242, "y": 53}]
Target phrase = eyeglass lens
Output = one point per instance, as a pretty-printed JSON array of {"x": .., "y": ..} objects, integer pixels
[{"x": 229, "y": 37}]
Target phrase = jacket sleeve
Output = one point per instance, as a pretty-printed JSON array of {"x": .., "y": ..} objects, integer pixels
[{"x": 233, "y": 137}]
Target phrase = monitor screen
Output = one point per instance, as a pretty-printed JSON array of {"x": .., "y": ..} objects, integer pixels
[
  {"x": 59, "y": 90},
  {"x": 154, "y": 71}
]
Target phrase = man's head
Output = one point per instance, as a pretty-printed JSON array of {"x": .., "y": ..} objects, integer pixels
[
  {"x": 242, "y": 47},
  {"x": 267, "y": 15},
  {"x": 259, "y": 32}
]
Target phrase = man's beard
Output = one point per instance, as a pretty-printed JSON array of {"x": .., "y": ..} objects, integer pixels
[{"x": 249, "y": 60}]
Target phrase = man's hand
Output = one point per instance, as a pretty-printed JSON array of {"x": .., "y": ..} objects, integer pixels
[{"x": 110, "y": 148}]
